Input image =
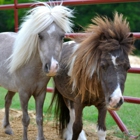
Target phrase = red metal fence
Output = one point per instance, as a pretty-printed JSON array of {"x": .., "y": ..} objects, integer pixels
[{"x": 17, "y": 6}]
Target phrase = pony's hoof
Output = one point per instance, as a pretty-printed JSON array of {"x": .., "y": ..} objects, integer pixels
[
  {"x": 8, "y": 130},
  {"x": 82, "y": 135},
  {"x": 41, "y": 138}
]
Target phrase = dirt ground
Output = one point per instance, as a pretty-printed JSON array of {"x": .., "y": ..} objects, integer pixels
[
  {"x": 49, "y": 129},
  {"x": 134, "y": 61}
]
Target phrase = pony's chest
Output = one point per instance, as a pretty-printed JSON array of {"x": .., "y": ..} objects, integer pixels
[
  {"x": 31, "y": 77},
  {"x": 93, "y": 99}
]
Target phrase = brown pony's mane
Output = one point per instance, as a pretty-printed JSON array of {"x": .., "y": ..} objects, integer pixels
[{"x": 106, "y": 35}]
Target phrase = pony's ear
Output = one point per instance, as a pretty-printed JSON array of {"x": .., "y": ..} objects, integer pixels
[
  {"x": 102, "y": 37},
  {"x": 131, "y": 37}
]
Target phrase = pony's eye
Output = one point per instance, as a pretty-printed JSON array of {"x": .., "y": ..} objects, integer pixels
[
  {"x": 103, "y": 66},
  {"x": 40, "y": 36}
]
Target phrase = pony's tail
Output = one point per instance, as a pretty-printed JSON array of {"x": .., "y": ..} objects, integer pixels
[{"x": 61, "y": 112}]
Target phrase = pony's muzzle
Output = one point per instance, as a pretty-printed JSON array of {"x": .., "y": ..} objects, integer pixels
[
  {"x": 115, "y": 103},
  {"x": 51, "y": 70}
]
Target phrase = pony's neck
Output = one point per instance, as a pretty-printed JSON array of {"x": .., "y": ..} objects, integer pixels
[{"x": 34, "y": 64}]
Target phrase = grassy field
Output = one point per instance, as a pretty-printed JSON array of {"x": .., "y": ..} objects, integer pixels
[{"x": 129, "y": 113}]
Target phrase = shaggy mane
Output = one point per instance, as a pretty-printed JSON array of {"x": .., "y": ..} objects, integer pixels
[
  {"x": 36, "y": 20},
  {"x": 106, "y": 35}
]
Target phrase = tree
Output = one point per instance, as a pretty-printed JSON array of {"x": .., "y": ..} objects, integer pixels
[
  {"x": 85, "y": 13},
  {"x": 1, "y": 2}
]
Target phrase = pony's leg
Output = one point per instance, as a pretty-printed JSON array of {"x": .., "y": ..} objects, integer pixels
[
  {"x": 8, "y": 101},
  {"x": 39, "y": 114},
  {"x": 78, "y": 133},
  {"x": 101, "y": 128},
  {"x": 69, "y": 132},
  {"x": 24, "y": 98}
]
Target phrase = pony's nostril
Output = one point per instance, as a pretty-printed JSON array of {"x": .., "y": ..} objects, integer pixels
[
  {"x": 121, "y": 101},
  {"x": 109, "y": 99},
  {"x": 47, "y": 67}
]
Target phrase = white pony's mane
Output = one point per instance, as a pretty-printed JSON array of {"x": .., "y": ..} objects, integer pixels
[{"x": 36, "y": 21}]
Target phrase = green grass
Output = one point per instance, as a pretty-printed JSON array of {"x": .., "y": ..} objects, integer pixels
[{"x": 129, "y": 113}]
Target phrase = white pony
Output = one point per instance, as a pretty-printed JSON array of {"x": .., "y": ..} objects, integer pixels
[{"x": 30, "y": 57}]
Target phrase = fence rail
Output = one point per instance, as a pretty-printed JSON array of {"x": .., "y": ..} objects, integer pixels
[
  {"x": 73, "y": 35},
  {"x": 65, "y": 2}
]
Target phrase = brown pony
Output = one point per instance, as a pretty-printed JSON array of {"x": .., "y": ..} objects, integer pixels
[{"x": 93, "y": 72}]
